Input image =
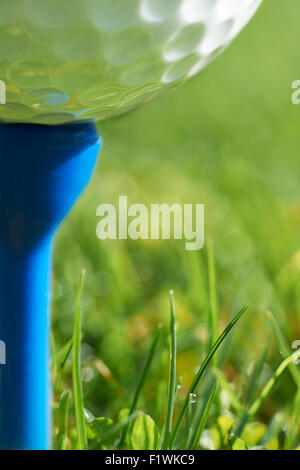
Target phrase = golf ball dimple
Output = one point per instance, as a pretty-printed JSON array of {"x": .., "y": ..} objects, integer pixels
[
  {"x": 68, "y": 60},
  {"x": 157, "y": 10}
]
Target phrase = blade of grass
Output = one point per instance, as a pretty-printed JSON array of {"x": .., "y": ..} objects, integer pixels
[
  {"x": 213, "y": 298},
  {"x": 189, "y": 423},
  {"x": 200, "y": 374},
  {"x": 62, "y": 435},
  {"x": 141, "y": 382},
  {"x": 61, "y": 359},
  {"x": 283, "y": 345},
  {"x": 172, "y": 377},
  {"x": 235, "y": 402},
  {"x": 251, "y": 391},
  {"x": 255, "y": 376},
  {"x": 196, "y": 441},
  {"x": 295, "y": 373},
  {"x": 270, "y": 385},
  {"x": 202, "y": 399},
  {"x": 63, "y": 354},
  {"x": 77, "y": 384}
]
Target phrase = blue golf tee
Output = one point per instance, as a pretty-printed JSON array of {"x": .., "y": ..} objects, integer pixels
[{"x": 43, "y": 170}]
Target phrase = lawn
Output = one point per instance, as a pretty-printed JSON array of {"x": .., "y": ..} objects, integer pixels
[{"x": 229, "y": 139}]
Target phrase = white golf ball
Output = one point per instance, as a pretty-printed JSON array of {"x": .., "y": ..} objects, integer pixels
[{"x": 68, "y": 60}]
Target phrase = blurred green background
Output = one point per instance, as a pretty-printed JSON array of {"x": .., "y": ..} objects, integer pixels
[{"x": 229, "y": 138}]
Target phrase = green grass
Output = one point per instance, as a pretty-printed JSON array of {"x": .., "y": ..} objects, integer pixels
[
  {"x": 77, "y": 385},
  {"x": 229, "y": 139},
  {"x": 204, "y": 416},
  {"x": 172, "y": 378},
  {"x": 201, "y": 371},
  {"x": 137, "y": 430}
]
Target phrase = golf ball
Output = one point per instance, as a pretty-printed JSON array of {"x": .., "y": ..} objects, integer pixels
[{"x": 68, "y": 60}]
